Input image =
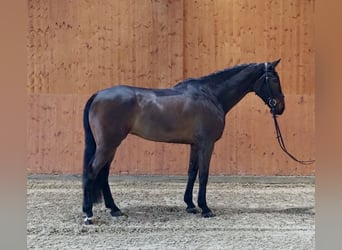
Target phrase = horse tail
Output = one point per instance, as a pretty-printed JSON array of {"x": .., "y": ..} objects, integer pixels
[{"x": 89, "y": 151}]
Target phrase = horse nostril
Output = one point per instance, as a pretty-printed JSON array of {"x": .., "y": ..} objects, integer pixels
[{"x": 281, "y": 107}]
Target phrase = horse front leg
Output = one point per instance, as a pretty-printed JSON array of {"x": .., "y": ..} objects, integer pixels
[
  {"x": 192, "y": 174},
  {"x": 204, "y": 157}
]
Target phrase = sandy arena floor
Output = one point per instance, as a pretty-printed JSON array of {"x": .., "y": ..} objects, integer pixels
[{"x": 248, "y": 216}]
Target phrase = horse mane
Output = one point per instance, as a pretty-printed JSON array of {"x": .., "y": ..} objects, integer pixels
[{"x": 217, "y": 76}]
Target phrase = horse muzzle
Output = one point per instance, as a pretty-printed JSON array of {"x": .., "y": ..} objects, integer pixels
[{"x": 277, "y": 105}]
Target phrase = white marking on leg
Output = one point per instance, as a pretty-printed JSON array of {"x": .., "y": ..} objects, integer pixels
[{"x": 88, "y": 219}]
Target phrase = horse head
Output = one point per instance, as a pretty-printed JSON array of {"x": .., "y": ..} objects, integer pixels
[{"x": 268, "y": 88}]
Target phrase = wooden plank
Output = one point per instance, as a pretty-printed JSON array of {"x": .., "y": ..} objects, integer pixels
[
  {"x": 83, "y": 46},
  {"x": 77, "y": 47},
  {"x": 248, "y": 145}
]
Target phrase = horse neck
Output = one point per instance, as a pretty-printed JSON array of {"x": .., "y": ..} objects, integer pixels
[{"x": 230, "y": 91}]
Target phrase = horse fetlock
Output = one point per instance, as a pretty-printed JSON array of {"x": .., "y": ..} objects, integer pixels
[
  {"x": 88, "y": 220},
  {"x": 192, "y": 210},
  {"x": 208, "y": 214}
]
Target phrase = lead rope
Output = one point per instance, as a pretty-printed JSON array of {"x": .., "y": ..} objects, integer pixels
[{"x": 282, "y": 144}]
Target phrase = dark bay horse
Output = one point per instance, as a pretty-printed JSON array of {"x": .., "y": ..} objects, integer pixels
[{"x": 192, "y": 112}]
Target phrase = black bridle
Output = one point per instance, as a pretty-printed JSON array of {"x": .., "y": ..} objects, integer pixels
[
  {"x": 265, "y": 92},
  {"x": 272, "y": 102}
]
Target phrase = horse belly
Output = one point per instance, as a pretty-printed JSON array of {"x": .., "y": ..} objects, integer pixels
[{"x": 164, "y": 128}]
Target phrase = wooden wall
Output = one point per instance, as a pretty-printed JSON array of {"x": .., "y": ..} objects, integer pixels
[{"x": 76, "y": 47}]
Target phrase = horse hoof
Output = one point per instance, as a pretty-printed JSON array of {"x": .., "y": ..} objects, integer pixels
[
  {"x": 192, "y": 210},
  {"x": 208, "y": 215},
  {"x": 88, "y": 221},
  {"x": 116, "y": 213}
]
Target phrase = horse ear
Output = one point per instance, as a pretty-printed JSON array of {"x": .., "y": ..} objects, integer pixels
[{"x": 275, "y": 63}]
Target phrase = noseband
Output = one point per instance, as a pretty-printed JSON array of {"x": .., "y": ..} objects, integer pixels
[{"x": 272, "y": 102}]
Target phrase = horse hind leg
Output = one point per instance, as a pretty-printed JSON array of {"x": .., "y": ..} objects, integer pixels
[
  {"x": 94, "y": 183},
  {"x": 87, "y": 206},
  {"x": 107, "y": 194}
]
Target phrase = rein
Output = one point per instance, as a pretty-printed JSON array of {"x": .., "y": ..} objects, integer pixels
[
  {"x": 280, "y": 139},
  {"x": 282, "y": 144}
]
